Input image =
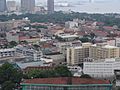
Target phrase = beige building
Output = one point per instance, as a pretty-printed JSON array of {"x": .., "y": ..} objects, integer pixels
[
  {"x": 76, "y": 55},
  {"x": 103, "y": 51}
]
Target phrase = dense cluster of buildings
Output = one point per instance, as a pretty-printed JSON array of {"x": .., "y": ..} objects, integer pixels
[
  {"x": 27, "y": 6},
  {"x": 42, "y": 46},
  {"x": 50, "y": 45}
]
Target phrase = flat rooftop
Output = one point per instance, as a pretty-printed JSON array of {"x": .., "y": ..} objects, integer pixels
[{"x": 65, "y": 80}]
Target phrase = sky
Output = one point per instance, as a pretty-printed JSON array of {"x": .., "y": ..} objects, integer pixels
[{"x": 99, "y": 6}]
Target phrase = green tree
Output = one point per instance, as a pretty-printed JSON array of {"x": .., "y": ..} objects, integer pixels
[
  {"x": 60, "y": 71},
  {"x": 118, "y": 89},
  {"x": 23, "y": 42},
  {"x": 12, "y": 44},
  {"x": 84, "y": 39},
  {"x": 85, "y": 76},
  {"x": 63, "y": 71},
  {"x": 8, "y": 85},
  {"x": 8, "y": 73}
]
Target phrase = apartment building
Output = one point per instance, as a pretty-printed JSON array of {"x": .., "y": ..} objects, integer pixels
[
  {"x": 67, "y": 37},
  {"x": 76, "y": 55},
  {"x": 32, "y": 54},
  {"x": 7, "y": 53},
  {"x": 103, "y": 51}
]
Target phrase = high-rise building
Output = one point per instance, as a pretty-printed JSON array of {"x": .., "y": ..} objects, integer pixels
[
  {"x": 27, "y": 6},
  {"x": 11, "y": 6},
  {"x": 50, "y": 6},
  {"x": 103, "y": 51},
  {"x": 76, "y": 55},
  {"x": 3, "y": 6}
]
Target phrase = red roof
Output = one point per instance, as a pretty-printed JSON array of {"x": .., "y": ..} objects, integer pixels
[
  {"x": 39, "y": 67},
  {"x": 65, "y": 80}
]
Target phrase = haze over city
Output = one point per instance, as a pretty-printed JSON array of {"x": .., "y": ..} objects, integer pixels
[{"x": 96, "y": 6}]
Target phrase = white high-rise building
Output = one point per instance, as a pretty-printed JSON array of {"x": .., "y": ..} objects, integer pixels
[
  {"x": 3, "y": 6},
  {"x": 27, "y": 6}
]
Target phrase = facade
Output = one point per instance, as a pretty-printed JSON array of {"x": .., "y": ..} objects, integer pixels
[
  {"x": 3, "y": 6},
  {"x": 76, "y": 55},
  {"x": 57, "y": 58},
  {"x": 104, "y": 69},
  {"x": 64, "y": 45},
  {"x": 50, "y": 6},
  {"x": 103, "y": 51},
  {"x": 32, "y": 54},
  {"x": 117, "y": 42},
  {"x": 27, "y": 6},
  {"x": 65, "y": 83},
  {"x": 7, "y": 53}
]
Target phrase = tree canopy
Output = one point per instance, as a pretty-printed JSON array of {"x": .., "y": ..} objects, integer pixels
[
  {"x": 10, "y": 76},
  {"x": 60, "y": 71},
  {"x": 61, "y": 18},
  {"x": 85, "y": 76}
]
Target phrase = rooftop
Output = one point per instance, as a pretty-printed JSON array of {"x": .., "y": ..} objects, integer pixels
[
  {"x": 67, "y": 35},
  {"x": 65, "y": 80}
]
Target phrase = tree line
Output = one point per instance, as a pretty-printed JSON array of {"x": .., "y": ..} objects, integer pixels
[{"x": 61, "y": 18}]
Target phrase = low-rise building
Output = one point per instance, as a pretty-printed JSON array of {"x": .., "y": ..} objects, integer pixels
[
  {"x": 11, "y": 36},
  {"x": 57, "y": 58},
  {"x": 32, "y": 54},
  {"x": 66, "y": 83},
  {"x": 7, "y": 52},
  {"x": 102, "y": 69},
  {"x": 67, "y": 37}
]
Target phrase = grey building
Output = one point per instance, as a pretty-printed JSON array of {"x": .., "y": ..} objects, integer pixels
[
  {"x": 3, "y": 6},
  {"x": 27, "y": 6},
  {"x": 50, "y": 6}
]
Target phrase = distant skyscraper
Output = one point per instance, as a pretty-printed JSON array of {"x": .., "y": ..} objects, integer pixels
[
  {"x": 3, "y": 6},
  {"x": 11, "y": 5},
  {"x": 27, "y": 6},
  {"x": 50, "y": 6},
  {"x": 90, "y": 1}
]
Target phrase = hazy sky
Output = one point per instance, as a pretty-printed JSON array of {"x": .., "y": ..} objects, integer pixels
[{"x": 111, "y": 1}]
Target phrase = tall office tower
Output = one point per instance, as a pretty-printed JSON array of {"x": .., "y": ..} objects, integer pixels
[
  {"x": 50, "y": 6},
  {"x": 27, "y": 6},
  {"x": 3, "y": 6},
  {"x": 11, "y": 6}
]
